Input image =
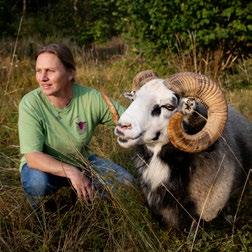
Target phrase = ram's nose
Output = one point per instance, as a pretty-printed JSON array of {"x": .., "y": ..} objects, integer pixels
[
  {"x": 121, "y": 128},
  {"x": 124, "y": 126}
]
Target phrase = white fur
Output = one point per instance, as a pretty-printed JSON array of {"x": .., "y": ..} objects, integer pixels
[{"x": 157, "y": 172}]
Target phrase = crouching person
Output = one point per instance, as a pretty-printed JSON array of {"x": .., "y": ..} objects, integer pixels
[{"x": 57, "y": 120}]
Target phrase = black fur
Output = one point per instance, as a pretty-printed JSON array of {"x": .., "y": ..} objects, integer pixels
[
  {"x": 174, "y": 193},
  {"x": 156, "y": 111},
  {"x": 156, "y": 136}
]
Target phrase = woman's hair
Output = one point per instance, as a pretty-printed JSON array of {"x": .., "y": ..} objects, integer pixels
[{"x": 62, "y": 52}]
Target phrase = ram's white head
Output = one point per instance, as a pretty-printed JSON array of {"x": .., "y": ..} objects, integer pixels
[
  {"x": 146, "y": 119},
  {"x": 155, "y": 115}
]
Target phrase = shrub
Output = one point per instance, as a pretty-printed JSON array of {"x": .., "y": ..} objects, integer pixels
[{"x": 215, "y": 24}]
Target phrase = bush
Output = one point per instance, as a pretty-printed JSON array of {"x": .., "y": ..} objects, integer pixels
[
  {"x": 153, "y": 25},
  {"x": 167, "y": 24}
]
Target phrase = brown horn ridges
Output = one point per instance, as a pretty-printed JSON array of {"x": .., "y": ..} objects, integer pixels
[
  {"x": 143, "y": 77},
  {"x": 199, "y": 86}
]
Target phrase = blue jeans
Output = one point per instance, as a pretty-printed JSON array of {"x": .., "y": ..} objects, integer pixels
[{"x": 37, "y": 183}]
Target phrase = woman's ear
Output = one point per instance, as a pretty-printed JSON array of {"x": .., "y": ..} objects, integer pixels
[{"x": 72, "y": 74}]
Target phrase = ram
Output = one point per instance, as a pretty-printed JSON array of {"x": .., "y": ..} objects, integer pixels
[{"x": 193, "y": 150}]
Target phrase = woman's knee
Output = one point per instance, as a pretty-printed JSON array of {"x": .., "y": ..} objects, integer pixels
[
  {"x": 105, "y": 166},
  {"x": 35, "y": 182}
]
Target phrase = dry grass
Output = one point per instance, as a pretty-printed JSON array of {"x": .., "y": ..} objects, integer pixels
[
  {"x": 122, "y": 223},
  {"x": 241, "y": 100}
]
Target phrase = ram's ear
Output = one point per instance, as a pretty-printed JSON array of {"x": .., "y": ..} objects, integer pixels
[{"x": 130, "y": 95}]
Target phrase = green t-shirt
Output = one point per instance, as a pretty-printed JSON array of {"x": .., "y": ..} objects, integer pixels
[{"x": 61, "y": 132}]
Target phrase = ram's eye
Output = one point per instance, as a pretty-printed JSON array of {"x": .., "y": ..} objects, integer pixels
[
  {"x": 168, "y": 107},
  {"x": 156, "y": 111}
]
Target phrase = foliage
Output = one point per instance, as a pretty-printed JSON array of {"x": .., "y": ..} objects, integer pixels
[
  {"x": 82, "y": 21},
  {"x": 169, "y": 24},
  {"x": 154, "y": 26},
  {"x": 8, "y": 17}
]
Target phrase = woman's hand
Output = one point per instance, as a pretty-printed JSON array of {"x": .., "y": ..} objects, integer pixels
[
  {"x": 81, "y": 184},
  {"x": 46, "y": 163}
]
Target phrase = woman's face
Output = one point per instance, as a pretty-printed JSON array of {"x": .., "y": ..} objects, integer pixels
[{"x": 53, "y": 78}]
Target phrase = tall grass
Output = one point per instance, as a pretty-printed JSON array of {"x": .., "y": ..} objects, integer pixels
[{"x": 122, "y": 222}]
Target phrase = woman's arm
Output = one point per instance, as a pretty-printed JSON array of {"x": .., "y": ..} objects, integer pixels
[{"x": 46, "y": 163}]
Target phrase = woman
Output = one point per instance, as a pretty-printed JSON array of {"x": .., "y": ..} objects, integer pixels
[{"x": 56, "y": 121}]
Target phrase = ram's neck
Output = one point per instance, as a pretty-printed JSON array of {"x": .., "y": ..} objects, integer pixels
[{"x": 157, "y": 172}]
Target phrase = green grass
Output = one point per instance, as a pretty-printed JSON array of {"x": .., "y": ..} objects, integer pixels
[{"x": 122, "y": 223}]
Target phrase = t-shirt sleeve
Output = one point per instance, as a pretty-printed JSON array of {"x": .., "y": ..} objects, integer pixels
[
  {"x": 30, "y": 129},
  {"x": 105, "y": 113}
]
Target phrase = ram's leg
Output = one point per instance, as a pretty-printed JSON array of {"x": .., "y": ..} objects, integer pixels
[
  {"x": 169, "y": 217},
  {"x": 179, "y": 216}
]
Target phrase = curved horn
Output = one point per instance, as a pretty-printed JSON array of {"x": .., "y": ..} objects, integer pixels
[
  {"x": 112, "y": 109},
  {"x": 199, "y": 86},
  {"x": 143, "y": 77}
]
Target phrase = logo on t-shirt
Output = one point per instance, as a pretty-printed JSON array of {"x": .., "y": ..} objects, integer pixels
[{"x": 81, "y": 126}]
